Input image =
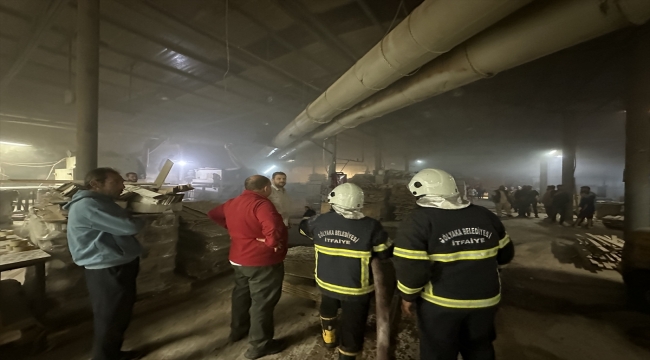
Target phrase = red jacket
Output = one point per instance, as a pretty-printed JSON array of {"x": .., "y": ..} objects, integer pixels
[{"x": 249, "y": 217}]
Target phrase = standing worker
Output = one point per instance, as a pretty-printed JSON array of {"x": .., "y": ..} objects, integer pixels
[
  {"x": 345, "y": 242},
  {"x": 501, "y": 201},
  {"x": 587, "y": 207},
  {"x": 101, "y": 237},
  {"x": 279, "y": 196},
  {"x": 446, "y": 257},
  {"x": 257, "y": 251}
]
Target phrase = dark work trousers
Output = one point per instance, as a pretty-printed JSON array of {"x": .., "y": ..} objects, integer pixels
[
  {"x": 256, "y": 293},
  {"x": 354, "y": 315},
  {"x": 444, "y": 332},
  {"x": 112, "y": 294}
]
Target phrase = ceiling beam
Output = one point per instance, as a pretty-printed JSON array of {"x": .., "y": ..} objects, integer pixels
[
  {"x": 155, "y": 12},
  {"x": 279, "y": 39},
  {"x": 298, "y": 13},
  {"x": 40, "y": 24},
  {"x": 190, "y": 54},
  {"x": 370, "y": 15}
]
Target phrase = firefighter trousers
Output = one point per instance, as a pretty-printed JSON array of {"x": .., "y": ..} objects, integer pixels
[
  {"x": 445, "y": 332},
  {"x": 354, "y": 314}
]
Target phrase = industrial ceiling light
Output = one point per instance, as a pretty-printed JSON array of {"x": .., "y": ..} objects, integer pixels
[
  {"x": 269, "y": 169},
  {"x": 552, "y": 152},
  {"x": 182, "y": 163},
  {"x": 13, "y": 143},
  {"x": 419, "y": 161}
]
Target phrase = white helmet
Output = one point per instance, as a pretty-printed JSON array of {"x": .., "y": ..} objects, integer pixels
[
  {"x": 433, "y": 182},
  {"x": 347, "y": 196}
]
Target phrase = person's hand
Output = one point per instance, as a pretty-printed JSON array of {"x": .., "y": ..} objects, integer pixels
[
  {"x": 261, "y": 239},
  {"x": 408, "y": 308},
  {"x": 278, "y": 248}
]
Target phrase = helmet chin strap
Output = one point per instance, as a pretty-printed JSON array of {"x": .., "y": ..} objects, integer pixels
[
  {"x": 451, "y": 203},
  {"x": 347, "y": 213}
]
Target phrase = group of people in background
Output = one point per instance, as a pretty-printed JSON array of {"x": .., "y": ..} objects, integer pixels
[{"x": 556, "y": 200}]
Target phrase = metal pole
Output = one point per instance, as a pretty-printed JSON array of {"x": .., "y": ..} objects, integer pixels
[
  {"x": 569, "y": 143},
  {"x": 636, "y": 253},
  {"x": 407, "y": 165},
  {"x": 543, "y": 175},
  {"x": 87, "y": 86}
]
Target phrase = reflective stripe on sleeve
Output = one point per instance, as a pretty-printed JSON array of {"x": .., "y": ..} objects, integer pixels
[
  {"x": 407, "y": 290},
  {"x": 503, "y": 242},
  {"x": 410, "y": 254},
  {"x": 343, "y": 252},
  {"x": 465, "y": 255},
  {"x": 344, "y": 290},
  {"x": 383, "y": 247},
  {"x": 303, "y": 234},
  {"x": 428, "y": 295}
]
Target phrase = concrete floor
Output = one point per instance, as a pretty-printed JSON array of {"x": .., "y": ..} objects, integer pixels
[{"x": 551, "y": 309}]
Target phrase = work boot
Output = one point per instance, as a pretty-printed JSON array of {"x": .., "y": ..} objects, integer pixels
[
  {"x": 329, "y": 331},
  {"x": 272, "y": 347},
  {"x": 347, "y": 356}
]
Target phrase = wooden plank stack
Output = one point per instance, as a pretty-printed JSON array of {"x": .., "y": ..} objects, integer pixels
[
  {"x": 402, "y": 202},
  {"x": 614, "y": 221},
  {"x": 599, "y": 252}
]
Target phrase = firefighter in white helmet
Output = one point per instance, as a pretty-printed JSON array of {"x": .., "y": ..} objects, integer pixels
[
  {"x": 446, "y": 256},
  {"x": 345, "y": 242}
]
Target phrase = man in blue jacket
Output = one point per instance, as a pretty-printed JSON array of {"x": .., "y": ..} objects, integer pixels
[{"x": 101, "y": 237}]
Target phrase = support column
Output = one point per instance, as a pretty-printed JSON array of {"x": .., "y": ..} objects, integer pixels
[
  {"x": 569, "y": 144},
  {"x": 87, "y": 86},
  {"x": 543, "y": 175},
  {"x": 636, "y": 253},
  {"x": 379, "y": 163},
  {"x": 331, "y": 147},
  {"x": 407, "y": 164}
]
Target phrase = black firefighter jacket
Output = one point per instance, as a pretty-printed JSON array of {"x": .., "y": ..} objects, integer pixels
[
  {"x": 451, "y": 257},
  {"x": 344, "y": 249}
]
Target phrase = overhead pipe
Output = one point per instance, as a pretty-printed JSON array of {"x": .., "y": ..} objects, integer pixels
[
  {"x": 432, "y": 29},
  {"x": 539, "y": 30}
]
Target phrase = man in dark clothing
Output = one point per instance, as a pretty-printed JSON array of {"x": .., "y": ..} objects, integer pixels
[
  {"x": 346, "y": 241},
  {"x": 522, "y": 201},
  {"x": 258, "y": 248},
  {"x": 101, "y": 237},
  {"x": 309, "y": 212},
  {"x": 560, "y": 202},
  {"x": 547, "y": 201},
  {"x": 446, "y": 256},
  {"x": 587, "y": 207},
  {"x": 532, "y": 200}
]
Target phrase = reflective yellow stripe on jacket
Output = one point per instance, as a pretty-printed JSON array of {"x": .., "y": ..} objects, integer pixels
[
  {"x": 364, "y": 258},
  {"x": 428, "y": 295},
  {"x": 383, "y": 247}
]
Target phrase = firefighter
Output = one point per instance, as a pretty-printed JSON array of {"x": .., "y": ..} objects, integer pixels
[
  {"x": 447, "y": 254},
  {"x": 345, "y": 242}
]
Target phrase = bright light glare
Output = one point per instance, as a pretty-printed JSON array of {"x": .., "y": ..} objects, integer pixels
[
  {"x": 269, "y": 169},
  {"x": 559, "y": 156},
  {"x": 552, "y": 152},
  {"x": 182, "y": 163},
  {"x": 419, "y": 161},
  {"x": 13, "y": 143},
  {"x": 291, "y": 160}
]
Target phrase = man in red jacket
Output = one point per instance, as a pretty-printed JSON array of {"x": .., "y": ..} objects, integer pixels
[{"x": 258, "y": 248}]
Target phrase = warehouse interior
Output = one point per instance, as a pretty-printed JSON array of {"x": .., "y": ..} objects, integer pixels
[{"x": 182, "y": 93}]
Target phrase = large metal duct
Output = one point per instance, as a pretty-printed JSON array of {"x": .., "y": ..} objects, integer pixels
[
  {"x": 432, "y": 29},
  {"x": 537, "y": 31}
]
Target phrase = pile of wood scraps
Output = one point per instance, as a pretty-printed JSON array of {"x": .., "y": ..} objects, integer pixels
[{"x": 599, "y": 252}]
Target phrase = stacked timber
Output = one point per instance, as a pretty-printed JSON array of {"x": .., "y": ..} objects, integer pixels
[
  {"x": 203, "y": 246},
  {"x": 299, "y": 268},
  {"x": 375, "y": 196},
  {"x": 599, "y": 252},
  {"x": 401, "y": 201}
]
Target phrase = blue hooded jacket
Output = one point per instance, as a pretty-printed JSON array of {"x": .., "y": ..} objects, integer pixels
[{"x": 100, "y": 233}]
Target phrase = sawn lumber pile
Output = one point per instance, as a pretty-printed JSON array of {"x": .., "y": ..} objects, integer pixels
[{"x": 600, "y": 252}]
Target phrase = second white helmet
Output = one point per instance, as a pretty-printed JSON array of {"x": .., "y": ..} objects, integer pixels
[
  {"x": 348, "y": 196},
  {"x": 433, "y": 182}
]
